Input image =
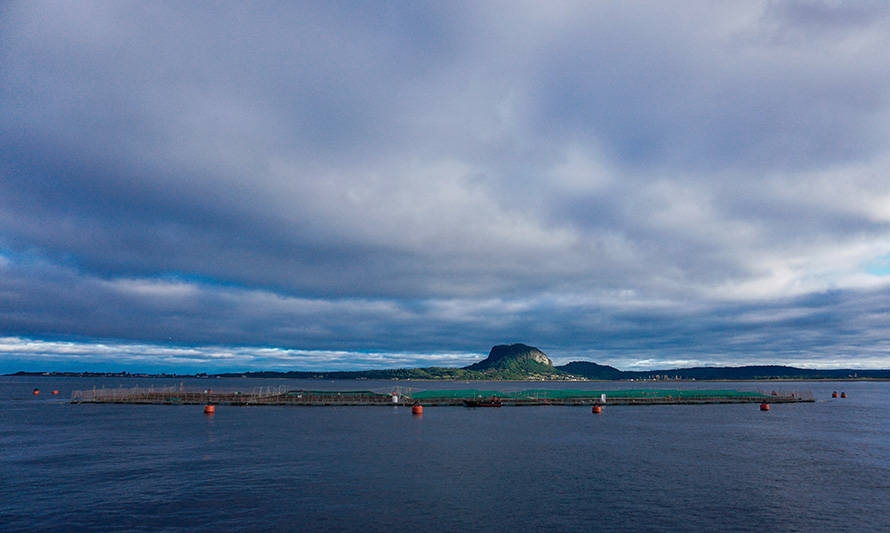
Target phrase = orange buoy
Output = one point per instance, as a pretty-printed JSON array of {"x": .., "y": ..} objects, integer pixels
[
  {"x": 416, "y": 409},
  {"x": 834, "y": 394},
  {"x": 208, "y": 409},
  {"x": 764, "y": 407},
  {"x": 35, "y": 391},
  {"x": 843, "y": 395},
  {"x": 596, "y": 409},
  {"x": 55, "y": 391}
]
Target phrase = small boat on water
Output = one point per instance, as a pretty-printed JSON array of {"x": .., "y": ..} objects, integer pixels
[{"x": 483, "y": 402}]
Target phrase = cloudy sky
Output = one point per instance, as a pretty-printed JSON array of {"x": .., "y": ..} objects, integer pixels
[{"x": 334, "y": 185}]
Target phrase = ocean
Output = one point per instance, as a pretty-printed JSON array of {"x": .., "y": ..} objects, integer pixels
[{"x": 822, "y": 466}]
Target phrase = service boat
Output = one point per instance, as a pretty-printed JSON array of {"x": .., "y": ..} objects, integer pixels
[{"x": 486, "y": 402}]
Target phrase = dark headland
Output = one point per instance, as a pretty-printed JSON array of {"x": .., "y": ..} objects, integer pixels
[{"x": 521, "y": 362}]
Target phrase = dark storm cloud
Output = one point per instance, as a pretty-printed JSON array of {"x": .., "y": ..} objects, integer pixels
[{"x": 636, "y": 183}]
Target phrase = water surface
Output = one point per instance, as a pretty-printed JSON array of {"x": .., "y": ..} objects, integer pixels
[{"x": 799, "y": 467}]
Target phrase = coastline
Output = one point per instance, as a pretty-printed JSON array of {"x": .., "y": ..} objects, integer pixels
[{"x": 321, "y": 376}]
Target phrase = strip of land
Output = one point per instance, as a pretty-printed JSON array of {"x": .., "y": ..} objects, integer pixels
[{"x": 519, "y": 362}]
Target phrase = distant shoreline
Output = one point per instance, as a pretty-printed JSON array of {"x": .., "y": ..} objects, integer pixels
[
  {"x": 322, "y": 376},
  {"x": 519, "y": 362}
]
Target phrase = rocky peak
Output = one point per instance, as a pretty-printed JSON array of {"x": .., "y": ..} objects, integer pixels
[{"x": 504, "y": 354}]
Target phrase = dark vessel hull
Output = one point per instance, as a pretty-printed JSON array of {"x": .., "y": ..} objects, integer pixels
[{"x": 494, "y": 402}]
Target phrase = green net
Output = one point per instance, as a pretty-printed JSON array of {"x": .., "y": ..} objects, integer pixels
[
  {"x": 578, "y": 393},
  {"x": 349, "y": 393}
]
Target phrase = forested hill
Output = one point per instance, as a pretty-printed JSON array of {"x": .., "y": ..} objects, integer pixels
[{"x": 590, "y": 370}]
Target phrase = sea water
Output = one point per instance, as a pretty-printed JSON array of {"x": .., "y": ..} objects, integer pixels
[{"x": 822, "y": 466}]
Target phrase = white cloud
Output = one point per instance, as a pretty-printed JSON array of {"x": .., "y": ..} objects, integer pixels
[{"x": 150, "y": 357}]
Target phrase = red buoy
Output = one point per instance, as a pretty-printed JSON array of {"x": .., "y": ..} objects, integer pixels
[
  {"x": 834, "y": 394},
  {"x": 843, "y": 395},
  {"x": 764, "y": 407},
  {"x": 55, "y": 391},
  {"x": 596, "y": 409},
  {"x": 208, "y": 409},
  {"x": 416, "y": 409},
  {"x": 35, "y": 391}
]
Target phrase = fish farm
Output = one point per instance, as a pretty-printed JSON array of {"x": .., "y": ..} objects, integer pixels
[{"x": 447, "y": 397}]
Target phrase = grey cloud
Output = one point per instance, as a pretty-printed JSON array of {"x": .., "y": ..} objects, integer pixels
[
  {"x": 181, "y": 316},
  {"x": 468, "y": 167}
]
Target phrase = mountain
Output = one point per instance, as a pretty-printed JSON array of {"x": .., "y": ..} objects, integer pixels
[
  {"x": 516, "y": 361},
  {"x": 509, "y": 356}
]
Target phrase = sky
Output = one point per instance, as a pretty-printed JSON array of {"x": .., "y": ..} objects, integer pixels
[{"x": 225, "y": 186}]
